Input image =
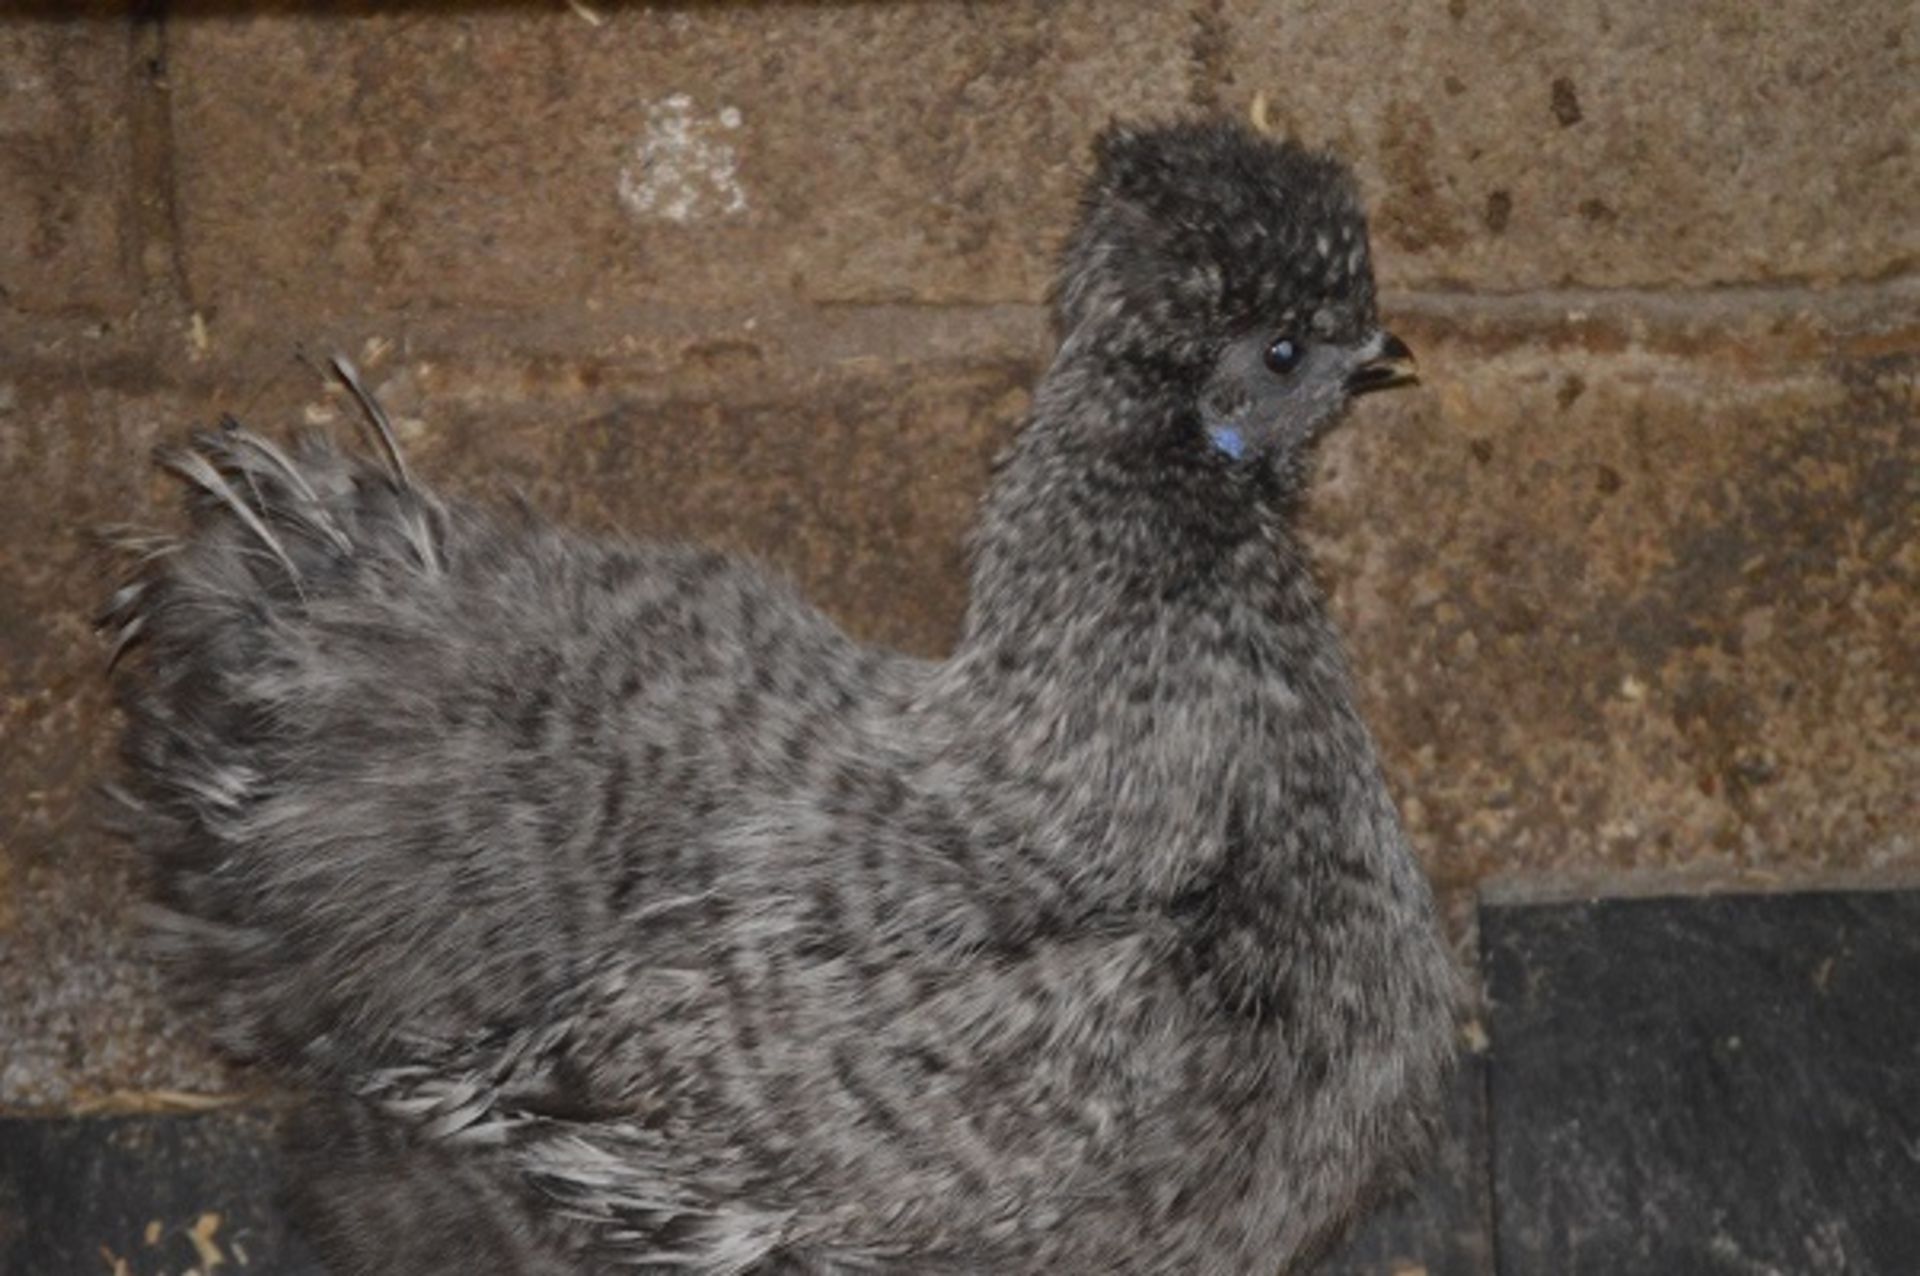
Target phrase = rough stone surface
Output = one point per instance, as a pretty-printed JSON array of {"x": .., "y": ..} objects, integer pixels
[
  {"x": 1512, "y": 145},
  {"x": 1629, "y": 596},
  {"x": 65, "y": 165},
  {"x": 507, "y": 157},
  {"x": 501, "y": 156},
  {"x": 81, "y": 1014}
]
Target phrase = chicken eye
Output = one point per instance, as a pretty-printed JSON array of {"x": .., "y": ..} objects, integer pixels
[{"x": 1284, "y": 355}]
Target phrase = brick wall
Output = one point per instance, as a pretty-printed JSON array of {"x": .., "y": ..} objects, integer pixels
[{"x": 1629, "y": 582}]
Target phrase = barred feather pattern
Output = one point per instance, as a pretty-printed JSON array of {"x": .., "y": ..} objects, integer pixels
[{"x": 621, "y": 913}]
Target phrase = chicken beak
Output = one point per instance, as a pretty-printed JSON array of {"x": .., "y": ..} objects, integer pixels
[{"x": 1391, "y": 364}]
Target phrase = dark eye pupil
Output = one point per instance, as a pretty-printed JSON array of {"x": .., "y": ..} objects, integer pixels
[{"x": 1283, "y": 355}]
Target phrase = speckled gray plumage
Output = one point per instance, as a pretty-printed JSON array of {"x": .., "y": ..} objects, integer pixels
[{"x": 625, "y": 915}]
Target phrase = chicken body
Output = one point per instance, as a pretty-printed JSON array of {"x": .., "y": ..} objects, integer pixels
[{"x": 623, "y": 914}]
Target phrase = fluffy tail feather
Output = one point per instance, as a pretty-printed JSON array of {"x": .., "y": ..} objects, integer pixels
[{"x": 219, "y": 615}]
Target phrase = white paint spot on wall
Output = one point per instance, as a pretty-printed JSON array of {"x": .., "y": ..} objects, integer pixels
[{"x": 684, "y": 167}]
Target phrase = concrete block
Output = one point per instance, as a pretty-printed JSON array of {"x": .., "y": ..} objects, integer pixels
[
  {"x": 82, "y": 1013},
  {"x": 1508, "y": 145},
  {"x": 66, "y": 165},
  {"x": 1628, "y": 596},
  {"x": 514, "y": 157}
]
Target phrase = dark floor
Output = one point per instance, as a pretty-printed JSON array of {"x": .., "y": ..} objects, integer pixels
[{"x": 1719, "y": 1085}]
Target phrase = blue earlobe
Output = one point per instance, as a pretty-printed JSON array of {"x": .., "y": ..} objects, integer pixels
[{"x": 1228, "y": 440}]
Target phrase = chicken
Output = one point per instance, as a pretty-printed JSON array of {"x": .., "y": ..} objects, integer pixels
[{"x": 618, "y": 911}]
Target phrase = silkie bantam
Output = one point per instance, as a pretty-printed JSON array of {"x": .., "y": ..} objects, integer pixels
[{"x": 618, "y": 913}]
